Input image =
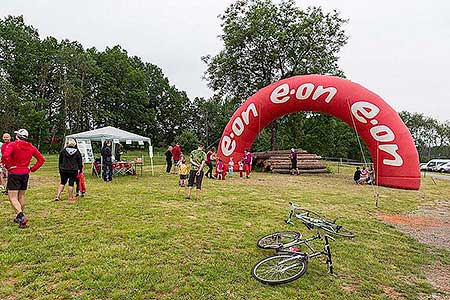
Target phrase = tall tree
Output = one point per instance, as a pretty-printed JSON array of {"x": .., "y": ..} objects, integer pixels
[{"x": 265, "y": 42}]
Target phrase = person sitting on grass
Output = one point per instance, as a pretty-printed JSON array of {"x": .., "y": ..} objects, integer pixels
[
  {"x": 371, "y": 179},
  {"x": 364, "y": 178},
  {"x": 357, "y": 175},
  {"x": 198, "y": 160},
  {"x": 183, "y": 170}
]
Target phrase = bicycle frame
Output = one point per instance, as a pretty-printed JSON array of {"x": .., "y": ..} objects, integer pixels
[{"x": 326, "y": 249}]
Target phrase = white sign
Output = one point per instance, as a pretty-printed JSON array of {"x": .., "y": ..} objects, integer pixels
[
  {"x": 141, "y": 143},
  {"x": 128, "y": 142},
  {"x": 85, "y": 147},
  {"x": 116, "y": 141}
]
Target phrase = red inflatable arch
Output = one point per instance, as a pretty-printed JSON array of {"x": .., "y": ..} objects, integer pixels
[{"x": 390, "y": 144}]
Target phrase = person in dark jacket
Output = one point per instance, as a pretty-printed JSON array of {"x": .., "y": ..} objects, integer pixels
[
  {"x": 107, "y": 161},
  {"x": 17, "y": 158},
  {"x": 70, "y": 164},
  {"x": 119, "y": 151},
  {"x": 168, "y": 155}
]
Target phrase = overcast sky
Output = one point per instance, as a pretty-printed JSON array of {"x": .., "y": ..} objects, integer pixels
[{"x": 397, "y": 49}]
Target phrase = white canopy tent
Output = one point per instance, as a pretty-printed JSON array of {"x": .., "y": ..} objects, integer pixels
[{"x": 114, "y": 134}]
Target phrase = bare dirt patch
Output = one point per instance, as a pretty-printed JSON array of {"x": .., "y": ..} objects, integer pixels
[
  {"x": 429, "y": 224},
  {"x": 392, "y": 294}
]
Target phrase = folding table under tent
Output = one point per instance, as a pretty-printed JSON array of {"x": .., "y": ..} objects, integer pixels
[{"x": 113, "y": 134}]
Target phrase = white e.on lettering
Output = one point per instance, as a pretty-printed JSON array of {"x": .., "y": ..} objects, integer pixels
[
  {"x": 228, "y": 145},
  {"x": 392, "y": 150},
  {"x": 280, "y": 91},
  {"x": 382, "y": 133},
  {"x": 304, "y": 91},
  {"x": 366, "y": 109}
]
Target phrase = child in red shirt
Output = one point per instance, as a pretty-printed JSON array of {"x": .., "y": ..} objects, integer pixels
[{"x": 220, "y": 170}]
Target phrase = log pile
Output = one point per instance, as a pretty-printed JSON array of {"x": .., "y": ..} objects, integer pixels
[{"x": 279, "y": 162}]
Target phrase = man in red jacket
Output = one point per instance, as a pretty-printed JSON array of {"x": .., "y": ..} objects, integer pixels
[
  {"x": 17, "y": 159},
  {"x": 176, "y": 153}
]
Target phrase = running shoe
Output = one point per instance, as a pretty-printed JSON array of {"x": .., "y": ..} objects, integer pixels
[{"x": 23, "y": 222}]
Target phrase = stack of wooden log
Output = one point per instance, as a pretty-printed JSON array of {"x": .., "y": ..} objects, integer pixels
[{"x": 279, "y": 162}]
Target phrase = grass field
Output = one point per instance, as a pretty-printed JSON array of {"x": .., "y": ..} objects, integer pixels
[{"x": 138, "y": 238}]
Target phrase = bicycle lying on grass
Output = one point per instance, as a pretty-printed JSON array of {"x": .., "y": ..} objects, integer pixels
[{"x": 289, "y": 263}]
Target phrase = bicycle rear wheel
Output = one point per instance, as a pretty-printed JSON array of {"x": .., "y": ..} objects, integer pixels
[
  {"x": 278, "y": 239},
  {"x": 279, "y": 269}
]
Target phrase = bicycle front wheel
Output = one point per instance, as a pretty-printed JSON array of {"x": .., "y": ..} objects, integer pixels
[
  {"x": 278, "y": 239},
  {"x": 279, "y": 269}
]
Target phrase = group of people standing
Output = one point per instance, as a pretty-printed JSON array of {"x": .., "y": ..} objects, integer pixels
[
  {"x": 223, "y": 170},
  {"x": 198, "y": 159},
  {"x": 175, "y": 153}
]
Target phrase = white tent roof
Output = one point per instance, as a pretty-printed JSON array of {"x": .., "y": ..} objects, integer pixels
[{"x": 109, "y": 133}]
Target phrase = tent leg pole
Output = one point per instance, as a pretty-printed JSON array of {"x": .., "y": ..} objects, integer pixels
[{"x": 151, "y": 159}]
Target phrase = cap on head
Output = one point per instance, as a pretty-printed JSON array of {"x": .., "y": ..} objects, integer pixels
[
  {"x": 292, "y": 149},
  {"x": 22, "y": 134}
]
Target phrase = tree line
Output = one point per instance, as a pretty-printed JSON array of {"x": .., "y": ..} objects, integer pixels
[{"x": 54, "y": 88}]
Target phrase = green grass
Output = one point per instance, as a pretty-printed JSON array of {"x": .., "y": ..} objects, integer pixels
[{"x": 137, "y": 238}]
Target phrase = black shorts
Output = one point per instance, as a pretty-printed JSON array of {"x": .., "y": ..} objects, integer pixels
[
  {"x": 17, "y": 182},
  {"x": 182, "y": 177},
  {"x": 68, "y": 176},
  {"x": 194, "y": 178}
]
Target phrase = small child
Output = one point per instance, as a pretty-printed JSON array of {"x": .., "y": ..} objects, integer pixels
[
  {"x": 183, "y": 171},
  {"x": 230, "y": 167},
  {"x": 81, "y": 185},
  {"x": 220, "y": 168},
  {"x": 241, "y": 168}
]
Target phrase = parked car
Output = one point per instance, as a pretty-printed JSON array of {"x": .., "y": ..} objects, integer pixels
[
  {"x": 434, "y": 164},
  {"x": 445, "y": 168}
]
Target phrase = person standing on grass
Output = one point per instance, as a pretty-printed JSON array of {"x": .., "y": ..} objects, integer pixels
[
  {"x": 184, "y": 171},
  {"x": 198, "y": 161},
  {"x": 70, "y": 165},
  {"x": 3, "y": 171},
  {"x": 17, "y": 157},
  {"x": 118, "y": 152},
  {"x": 210, "y": 156},
  {"x": 293, "y": 157},
  {"x": 230, "y": 167},
  {"x": 241, "y": 168},
  {"x": 107, "y": 160},
  {"x": 168, "y": 155},
  {"x": 248, "y": 159},
  {"x": 176, "y": 153}
]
